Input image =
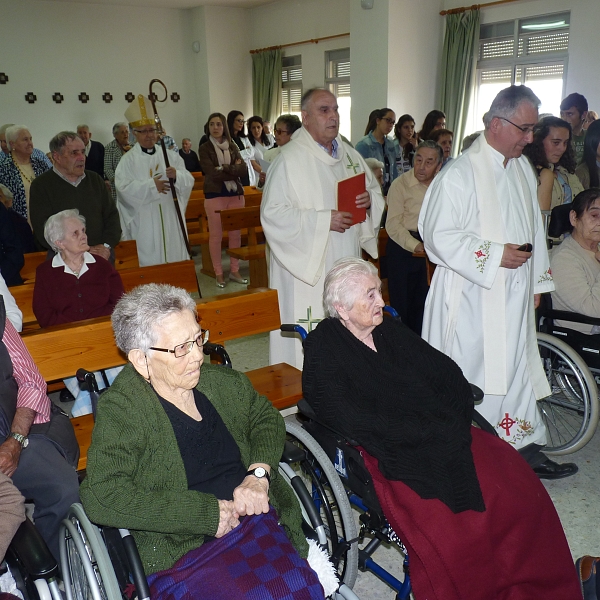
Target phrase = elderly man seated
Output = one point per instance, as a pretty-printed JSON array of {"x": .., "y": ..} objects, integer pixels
[
  {"x": 38, "y": 449},
  {"x": 576, "y": 261},
  {"x": 69, "y": 185}
]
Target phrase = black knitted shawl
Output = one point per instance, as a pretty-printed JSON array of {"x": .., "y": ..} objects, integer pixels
[{"x": 407, "y": 404}]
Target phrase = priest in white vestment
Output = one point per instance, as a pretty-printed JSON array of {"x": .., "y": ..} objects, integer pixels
[
  {"x": 305, "y": 232},
  {"x": 479, "y": 311},
  {"x": 144, "y": 197}
]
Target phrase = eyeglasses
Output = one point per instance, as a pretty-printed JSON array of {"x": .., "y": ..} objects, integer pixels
[
  {"x": 390, "y": 121},
  {"x": 185, "y": 348},
  {"x": 145, "y": 131},
  {"x": 281, "y": 131},
  {"x": 525, "y": 130}
]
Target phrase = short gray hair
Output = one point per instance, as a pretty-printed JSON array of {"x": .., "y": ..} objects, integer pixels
[
  {"x": 54, "y": 228},
  {"x": 373, "y": 163},
  {"x": 508, "y": 100},
  {"x": 434, "y": 146},
  {"x": 83, "y": 126},
  {"x": 138, "y": 314},
  {"x": 60, "y": 140},
  {"x": 118, "y": 126},
  {"x": 307, "y": 97},
  {"x": 5, "y": 191},
  {"x": 12, "y": 133},
  {"x": 341, "y": 283},
  {"x": 4, "y": 127},
  {"x": 186, "y": 140}
]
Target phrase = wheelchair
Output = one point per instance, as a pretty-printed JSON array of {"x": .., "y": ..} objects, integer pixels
[
  {"x": 572, "y": 367},
  {"x": 32, "y": 565},
  {"x": 102, "y": 563}
]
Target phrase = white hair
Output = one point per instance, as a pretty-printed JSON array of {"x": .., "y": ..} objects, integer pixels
[
  {"x": 12, "y": 133},
  {"x": 54, "y": 228},
  {"x": 139, "y": 313},
  {"x": 373, "y": 163},
  {"x": 341, "y": 283}
]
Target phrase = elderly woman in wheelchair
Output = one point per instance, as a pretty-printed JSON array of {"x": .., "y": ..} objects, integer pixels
[
  {"x": 576, "y": 262},
  {"x": 185, "y": 455},
  {"x": 475, "y": 519}
]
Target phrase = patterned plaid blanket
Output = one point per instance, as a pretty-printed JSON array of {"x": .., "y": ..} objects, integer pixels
[{"x": 255, "y": 561}]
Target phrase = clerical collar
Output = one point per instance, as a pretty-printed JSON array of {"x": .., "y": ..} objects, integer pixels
[
  {"x": 334, "y": 148},
  {"x": 148, "y": 150}
]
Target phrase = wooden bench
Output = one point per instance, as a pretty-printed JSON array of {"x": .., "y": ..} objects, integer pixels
[
  {"x": 180, "y": 274},
  {"x": 126, "y": 257},
  {"x": 60, "y": 351},
  {"x": 248, "y": 218},
  {"x": 197, "y": 225}
]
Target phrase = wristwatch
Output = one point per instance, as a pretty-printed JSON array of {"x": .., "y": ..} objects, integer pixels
[
  {"x": 22, "y": 439},
  {"x": 259, "y": 472}
]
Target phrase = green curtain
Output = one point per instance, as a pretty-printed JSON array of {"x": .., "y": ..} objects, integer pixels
[
  {"x": 459, "y": 60},
  {"x": 266, "y": 84}
]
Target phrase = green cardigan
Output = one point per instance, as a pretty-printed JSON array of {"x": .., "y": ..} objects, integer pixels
[{"x": 136, "y": 477}]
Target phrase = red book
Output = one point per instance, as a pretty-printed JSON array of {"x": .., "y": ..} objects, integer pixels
[{"x": 347, "y": 190}]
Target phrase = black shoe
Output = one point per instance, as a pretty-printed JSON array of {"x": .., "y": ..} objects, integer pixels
[
  {"x": 587, "y": 569},
  {"x": 66, "y": 396},
  {"x": 552, "y": 470}
]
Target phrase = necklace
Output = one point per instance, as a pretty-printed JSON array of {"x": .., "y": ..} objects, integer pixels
[
  {"x": 23, "y": 175},
  {"x": 76, "y": 270}
]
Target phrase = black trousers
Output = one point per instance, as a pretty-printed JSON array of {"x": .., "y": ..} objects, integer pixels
[{"x": 407, "y": 285}]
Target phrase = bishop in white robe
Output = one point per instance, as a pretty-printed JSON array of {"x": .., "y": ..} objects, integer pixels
[
  {"x": 478, "y": 312},
  {"x": 296, "y": 209},
  {"x": 144, "y": 198},
  {"x": 148, "y": 216}
]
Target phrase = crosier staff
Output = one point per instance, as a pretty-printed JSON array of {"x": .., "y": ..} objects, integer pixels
[{"x": 153, "y": 99}]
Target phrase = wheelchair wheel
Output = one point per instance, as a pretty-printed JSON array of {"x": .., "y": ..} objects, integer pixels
[
  {"x": 331, "y": 500},
  {"x": 86, "y": 567},
  {"x": 570, "y": 413}
]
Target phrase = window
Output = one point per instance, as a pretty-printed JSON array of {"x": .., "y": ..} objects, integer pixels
[
  {"x": 291, "y": 84},
  {"x": 532, "y": 52},
  {"x": 337, "y": 80}
]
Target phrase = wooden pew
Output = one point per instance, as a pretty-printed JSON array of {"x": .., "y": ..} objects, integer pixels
[
  {"x": 197, "y": 225},
  {"x": 180, "y": 274},
  {"x": 32, "y": 261},
  {"x": 248, "y": 218},
  {"x": 60, "y": 351},
  {"x": 125, "y": 258}
]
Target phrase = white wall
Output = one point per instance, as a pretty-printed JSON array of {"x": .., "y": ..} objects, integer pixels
[
  {"x": 49, "y": 47},
  {"x": 415, "y": 37},
  {"x": 229, "y": 60},
  {"x": 369, "y": 60},
  {"x": 584, "y": 42},
  {"x": 289, "y": 21}
]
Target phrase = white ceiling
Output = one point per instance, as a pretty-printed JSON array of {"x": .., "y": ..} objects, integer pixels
[{"x": 178, "y": 3}]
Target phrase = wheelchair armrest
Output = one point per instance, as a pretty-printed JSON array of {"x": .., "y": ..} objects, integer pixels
[
  {"x": 292, "y": 453},
  {"x": 291, "y": 328},
  {"x": 477, "y": 393},
  {"x": 307, "y": 410},
  {"x": 32, "y": 551},
  {"x": 565, "y": 315},
  {"x": 210, "y": 348}
]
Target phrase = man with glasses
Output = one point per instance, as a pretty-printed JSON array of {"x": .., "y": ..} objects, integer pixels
[
  {"x": 144, "y": 196},
  {"x": 481, "y": 224},
  {"x": 70, "y": 185}
]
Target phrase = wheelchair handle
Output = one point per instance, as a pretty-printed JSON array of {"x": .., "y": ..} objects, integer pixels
[
  {"x": 390, "y": 310},
  {"x": 295, "y": 329}
]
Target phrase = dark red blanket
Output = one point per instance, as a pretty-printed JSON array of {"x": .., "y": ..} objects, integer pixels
[{"x": 515, "y": 550}]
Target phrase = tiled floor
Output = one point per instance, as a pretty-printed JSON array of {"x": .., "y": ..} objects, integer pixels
[{"x": 577, "y": 498}]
